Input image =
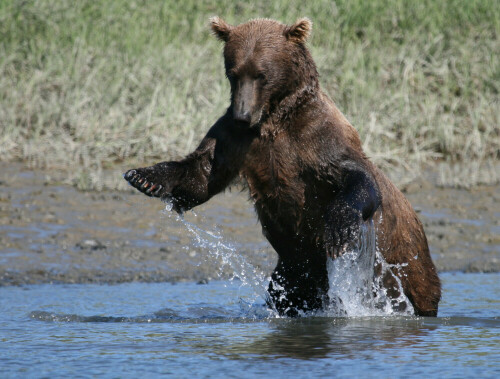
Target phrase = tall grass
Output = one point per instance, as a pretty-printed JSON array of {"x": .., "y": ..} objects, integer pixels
[{"x": 89, "y": 85}]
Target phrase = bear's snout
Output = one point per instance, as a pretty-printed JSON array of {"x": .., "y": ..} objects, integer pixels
[
  {"x": 245, "y": 102},
  {"x": 242, "y": 115}
]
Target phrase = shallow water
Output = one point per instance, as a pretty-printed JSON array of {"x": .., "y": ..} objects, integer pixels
[{"x": 222, "y": 329}]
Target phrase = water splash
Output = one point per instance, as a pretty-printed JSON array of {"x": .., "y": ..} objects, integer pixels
[
  {"x": 222, "y": 251},
  {"x": 355, "y": 290}
]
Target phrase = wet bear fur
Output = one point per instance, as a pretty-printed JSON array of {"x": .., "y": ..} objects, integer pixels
[{"x": 305, "y": 170}]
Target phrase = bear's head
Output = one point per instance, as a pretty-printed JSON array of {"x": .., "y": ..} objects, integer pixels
[{"x": 266, "y": 62}]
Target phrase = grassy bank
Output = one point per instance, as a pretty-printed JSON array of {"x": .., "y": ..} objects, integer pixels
[{"x": 89, "y": 85}]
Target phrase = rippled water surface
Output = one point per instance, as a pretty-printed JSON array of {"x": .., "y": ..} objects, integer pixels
[{"x": 222, "y": 329}]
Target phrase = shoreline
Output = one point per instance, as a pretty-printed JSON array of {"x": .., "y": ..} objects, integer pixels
[{"x": 53, "y": 233}]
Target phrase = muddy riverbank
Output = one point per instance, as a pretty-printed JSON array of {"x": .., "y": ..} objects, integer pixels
[{"x": 51, "y": 232}]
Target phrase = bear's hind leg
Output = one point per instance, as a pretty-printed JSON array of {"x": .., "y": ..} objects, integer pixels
[{"x": 298, "y": 287}]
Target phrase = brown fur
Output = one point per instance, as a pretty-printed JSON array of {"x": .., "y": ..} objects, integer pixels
[{"x": 306, "y": 172}]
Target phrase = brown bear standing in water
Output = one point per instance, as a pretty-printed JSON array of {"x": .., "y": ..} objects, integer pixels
[{"x": 302, "y": 161}]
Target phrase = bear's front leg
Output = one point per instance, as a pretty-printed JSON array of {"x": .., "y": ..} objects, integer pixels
[
  {"x": 183, "y": 184},
  {"x": 199, "y": 176},
  {"x": 356, "y": 204}
]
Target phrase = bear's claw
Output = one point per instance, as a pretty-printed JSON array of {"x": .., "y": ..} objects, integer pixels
[
  {"x": 154, "y": 189},
  {"x": 139, "y": 182},
  {"x": 129, "y": 174}
]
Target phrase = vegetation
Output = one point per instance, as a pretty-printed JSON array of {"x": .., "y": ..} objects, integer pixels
[{"x": 96, "y": 84}]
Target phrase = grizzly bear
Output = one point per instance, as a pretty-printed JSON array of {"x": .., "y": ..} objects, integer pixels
[{"x": 306, "y": 172}]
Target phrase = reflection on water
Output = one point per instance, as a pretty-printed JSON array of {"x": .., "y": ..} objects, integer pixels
[
  {"x": 326, "y": 337},
  {"x": 211, "y": 330},
  {"x": 301, "y": 338}
]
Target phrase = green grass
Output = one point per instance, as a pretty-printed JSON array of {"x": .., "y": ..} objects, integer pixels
[{"x": 90, "y": 85}]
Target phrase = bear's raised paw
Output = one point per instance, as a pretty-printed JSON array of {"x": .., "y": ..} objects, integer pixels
[{"x": 139, "y": 180}]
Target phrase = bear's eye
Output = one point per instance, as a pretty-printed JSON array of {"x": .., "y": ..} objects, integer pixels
[
  {"x": 231, "y": 75},
  {"x": 262, "y": 78}
]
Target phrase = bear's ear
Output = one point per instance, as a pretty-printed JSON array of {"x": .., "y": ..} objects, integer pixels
[
  {"x": 220, "y": 28},
  {"x": 299, "y": 31}
]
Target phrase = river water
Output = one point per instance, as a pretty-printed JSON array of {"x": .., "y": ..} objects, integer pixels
[
  {"x": 161, "y": 322},
  {"x": 222, "y": 329}
]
